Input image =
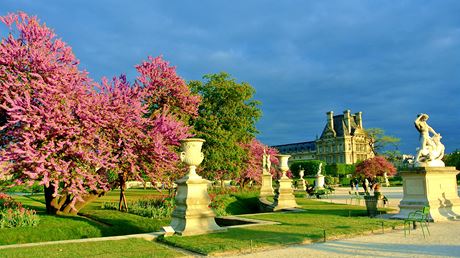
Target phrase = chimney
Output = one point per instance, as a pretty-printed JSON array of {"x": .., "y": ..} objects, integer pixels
[
  {"x": 346, "y": 118},
  {"x": 359, "y": 119},
  {"x": 330, "y": 119}
]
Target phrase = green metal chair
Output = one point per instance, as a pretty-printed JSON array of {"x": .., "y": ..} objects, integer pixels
[
  {"x": 355, "y": 196},
  {"x": 421, "y": 216}
]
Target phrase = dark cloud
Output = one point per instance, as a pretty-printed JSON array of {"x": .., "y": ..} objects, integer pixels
[{"x": 390, "y": 60}]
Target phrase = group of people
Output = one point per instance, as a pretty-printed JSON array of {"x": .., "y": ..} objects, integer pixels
[{"x": 368, "y": 185}]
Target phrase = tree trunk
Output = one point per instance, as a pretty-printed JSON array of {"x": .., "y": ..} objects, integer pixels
[
  {"x": 62, "y": 204},
  {"x": 50, "y": 201}
]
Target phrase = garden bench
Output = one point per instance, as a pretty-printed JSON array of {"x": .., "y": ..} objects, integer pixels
[{"x": 420, "y": 216}]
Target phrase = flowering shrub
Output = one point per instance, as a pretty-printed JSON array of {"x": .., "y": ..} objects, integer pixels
[
  {"x": 12, "y": 214},
  {"x": 155, "y": 208}
]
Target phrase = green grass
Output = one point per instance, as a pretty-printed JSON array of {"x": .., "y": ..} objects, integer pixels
[
  {"x": 118, "y": 248},
  {"x": 295, "y": 228},
  {"x": 100, "y": 222}
]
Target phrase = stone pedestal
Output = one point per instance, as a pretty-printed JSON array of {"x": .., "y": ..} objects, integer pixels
[
  {"x": 284, "y": 195},
  {"x": 267, "y": 188},
  {"x": 435, "y": 187},
  {"x": 192, "y": 215},
  {"x": 319, "y": 182},
  {"x": 302, "y": 184}
]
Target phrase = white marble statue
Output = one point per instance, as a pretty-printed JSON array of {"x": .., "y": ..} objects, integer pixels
[
  {"x": 266, "y": 163},
  {"x": 431, "y": 150},
  {"x": 319, "y": 169}
]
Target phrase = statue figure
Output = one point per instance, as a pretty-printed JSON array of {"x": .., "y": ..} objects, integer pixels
[
  {"x": 431, "y": 149},
  {"x": 266, "y": 163},
  {"x": 319, "y": 169}
]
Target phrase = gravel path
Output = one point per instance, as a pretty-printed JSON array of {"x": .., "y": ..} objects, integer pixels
[{"x": 444, "y": 240}]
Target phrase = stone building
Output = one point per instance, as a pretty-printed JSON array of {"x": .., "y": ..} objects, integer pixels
[{"x": 342, "y": 141}]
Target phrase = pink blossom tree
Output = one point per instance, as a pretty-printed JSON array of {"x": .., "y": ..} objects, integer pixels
[
  {"x": 57, "y": 130},
  {"x": 376, "y": 166},
  {"x": 137, "y": 146},
  {"x": 47, "y": 129},
  {"x": 253, "y": 165},
  {"x": 165, "y": 90}
]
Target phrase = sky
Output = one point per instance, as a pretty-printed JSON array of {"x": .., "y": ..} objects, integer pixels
[{"x": 389, "y": 59}]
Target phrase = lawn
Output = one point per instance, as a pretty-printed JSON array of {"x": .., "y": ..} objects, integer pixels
[
  {"x": 98, "y": 222},
  {"x": 116, "y": 248},
  {"x": 309, "y": 225},
  {"x": 295, "y": 228}
]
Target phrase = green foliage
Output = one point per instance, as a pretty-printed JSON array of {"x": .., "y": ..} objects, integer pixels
[
  {"x": 310, "y": 167},
  {"x": 12, "y": 214},
  {"x": 227, "y": 118},
  {"x": 453, "y": 159},
  {"x": 155, "y": 208},
  {"x": 340, "y": 169},
  {"x": 331, "y": 180},
  {"x": 345, "y": 181},
  {"x": 19, "y": 217},
  {"x": 379, "y": 141},
  {"x": 7, "y": 186}
]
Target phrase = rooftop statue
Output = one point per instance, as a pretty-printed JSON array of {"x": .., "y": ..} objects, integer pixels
[{"x": 431, "y": 150}]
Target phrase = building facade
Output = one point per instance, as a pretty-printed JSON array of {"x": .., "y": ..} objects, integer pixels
[{"x": 343, "y": 140}]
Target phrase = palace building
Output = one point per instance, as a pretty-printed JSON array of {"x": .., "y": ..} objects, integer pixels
[{"x": 343, "y": 140}]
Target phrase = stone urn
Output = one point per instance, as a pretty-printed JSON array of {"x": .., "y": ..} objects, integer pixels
[
  {"x": 191, "y": 154},
  {"x": 284, "y": 195},
  {"x": 192, "y": 215},
  {"x": 283, "y": 165}
]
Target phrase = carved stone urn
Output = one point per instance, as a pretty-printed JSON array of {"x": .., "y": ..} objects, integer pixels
[
  {"x": 192, "y": 155},
  {"x": 284, "y": 167},
  {"x": 192, "y": 215}
]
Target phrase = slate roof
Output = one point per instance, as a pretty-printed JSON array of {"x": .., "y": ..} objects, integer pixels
[
  {"x": 296, "y": 147},
  {"x": 340, "y": 127}
]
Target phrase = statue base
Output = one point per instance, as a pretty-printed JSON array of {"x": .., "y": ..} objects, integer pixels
[
  {"x": 319, "y": 182},
  {"x": 302, "y": 185},
  {"x": 284, "y": 195},
  {"x": 266, "y": 189},
  {"x": 435, "y": 187},
  {"x": 192, "y": 215}
]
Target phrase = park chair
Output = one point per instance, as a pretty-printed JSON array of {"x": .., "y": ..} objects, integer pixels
[
  {"x": 355, "y": 196},
  {"x": 420, "y": 216}
]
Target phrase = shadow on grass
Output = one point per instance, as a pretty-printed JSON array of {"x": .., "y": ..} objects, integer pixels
[{"x": 240, "y": 239}]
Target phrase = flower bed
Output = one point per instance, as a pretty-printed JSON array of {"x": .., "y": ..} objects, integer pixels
[
  {"x": 154, "y": 207},
  {"x": 12, "y": 214}
]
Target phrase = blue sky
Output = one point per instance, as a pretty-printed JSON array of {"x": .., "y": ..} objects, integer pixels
[{"x": 389, "y": 59}]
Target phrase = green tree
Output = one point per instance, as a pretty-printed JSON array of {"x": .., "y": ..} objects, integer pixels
[
  {"x": 453, "y": 159},
  {"x": 379, "y": 141},
  {"x": 226, "y": 119},
  {"x": 310, "y": 167}
]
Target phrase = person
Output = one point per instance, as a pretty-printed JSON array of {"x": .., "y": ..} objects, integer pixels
[
  {"x": 352, "y": 185},
  {"x": 309, "y": 189},
  {"x": 357, "y": 185}
]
